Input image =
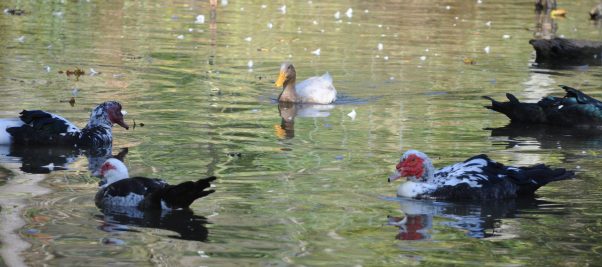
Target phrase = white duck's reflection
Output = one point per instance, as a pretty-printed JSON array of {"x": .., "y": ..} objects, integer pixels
[
  {"x": 288, "y": 111},
  {"x": 479, "y": 220},
  {"x": 45, "y": 159},
  {"x": 183, "y": 222}
]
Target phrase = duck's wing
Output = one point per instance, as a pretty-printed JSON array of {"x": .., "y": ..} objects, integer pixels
[
  {"x": 476, "y": 178},
  {"x": 127, "y": 192},
  {"x": 40, "y": 127},
  {"x": 482, "y": 178},
  {"x": 576, "y": 108},
  {"x": 318, "y": 90}
]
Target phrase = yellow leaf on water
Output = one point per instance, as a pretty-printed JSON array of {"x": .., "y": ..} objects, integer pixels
[
  {"x": 559, "y": 12},
  {"x": 469, "y": 61},
  {"x": 280, "y": 133}
]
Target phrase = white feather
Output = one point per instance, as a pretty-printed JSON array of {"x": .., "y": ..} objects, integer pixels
[
  {"x": 319, "y": 90},
  {"x": 131, "y": 200}
]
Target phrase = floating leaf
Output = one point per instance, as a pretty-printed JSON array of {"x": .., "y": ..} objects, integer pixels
[
  {"x": 76, "y": 72},
  {"x": 279, "y": 131},
  {"x": 559, "y": 12},
  {"x": 470, "y": 61}
]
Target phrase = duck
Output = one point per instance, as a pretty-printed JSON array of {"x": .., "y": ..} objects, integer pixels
[
  {"x": 315, "y": 90},
  {"x": 477, "y": 178},
  {"x": 574, "y": 109},
  {"x": 564, "y": 51},
  {"x": 37, "y": 127},
  {"x": 117, "y": 189}
]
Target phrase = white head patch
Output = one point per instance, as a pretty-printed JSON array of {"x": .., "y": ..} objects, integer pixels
[{"x": 113, "y": 170}]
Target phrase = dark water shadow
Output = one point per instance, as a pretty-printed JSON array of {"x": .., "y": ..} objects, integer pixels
[
  {"x": 45, "y": 159},
  {"x": 185, "y": 223},
  {"x": 479, "y": 220},
  {"x": 549, "y": 136}
]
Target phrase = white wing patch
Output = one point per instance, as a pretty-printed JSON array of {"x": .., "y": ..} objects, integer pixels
[
  {"x": 470, "y": 172},
  {"x": 70, "y": 127},
  {"x": 131, "y": 200}
]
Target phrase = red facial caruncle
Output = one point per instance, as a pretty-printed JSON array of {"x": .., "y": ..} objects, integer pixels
[
  {"x": 116, "y": 116},
  {"x": 105, "y": 168},
  {"x": 412, "y": 166}
]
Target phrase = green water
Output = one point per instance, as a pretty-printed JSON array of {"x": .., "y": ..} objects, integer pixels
[{"x": 319, "y": 197}]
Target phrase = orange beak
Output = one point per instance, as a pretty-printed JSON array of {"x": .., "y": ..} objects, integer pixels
[{"x": 281, "y": 79}]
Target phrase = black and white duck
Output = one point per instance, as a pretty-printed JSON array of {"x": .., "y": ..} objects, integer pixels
[
  {"x": 117, "y": 189},
  {"x": 37, "y": 127},
  {"x": 477, "y": 178}
]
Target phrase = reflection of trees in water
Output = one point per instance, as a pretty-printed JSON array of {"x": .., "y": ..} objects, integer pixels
[
  {"x": 545, "y": 26},
  {"x": 479, "y": 220}
]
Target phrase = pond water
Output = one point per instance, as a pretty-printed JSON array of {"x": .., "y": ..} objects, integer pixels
[{"x": 309, "y": 189}]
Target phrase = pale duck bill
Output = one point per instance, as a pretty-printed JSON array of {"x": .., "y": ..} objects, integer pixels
[{"x": 394, "y": 176}]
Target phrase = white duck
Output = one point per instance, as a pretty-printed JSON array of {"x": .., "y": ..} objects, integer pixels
[{"x": 317, "y": 90}]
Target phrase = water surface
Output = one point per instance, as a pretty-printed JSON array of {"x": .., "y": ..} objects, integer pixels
[{"x": 307, "y": 185}]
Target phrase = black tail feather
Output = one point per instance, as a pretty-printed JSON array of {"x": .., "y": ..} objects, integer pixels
[
  {"x": 517, "y": 111},
  {"x": 179, "y": 196},
  {"x": 531, "y": 178}
]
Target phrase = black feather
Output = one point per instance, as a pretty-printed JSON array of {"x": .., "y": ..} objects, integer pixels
[
  {"x": 574, "y": 109},
  {"x": 155, "y": 191}
]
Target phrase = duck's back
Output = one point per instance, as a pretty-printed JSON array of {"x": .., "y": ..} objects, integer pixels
[
  {"x": 40, "y": 127},
  {"x": 318, "y": 90}
]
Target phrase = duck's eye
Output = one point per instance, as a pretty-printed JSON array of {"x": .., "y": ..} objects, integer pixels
[{"x": 289, "y": 67}]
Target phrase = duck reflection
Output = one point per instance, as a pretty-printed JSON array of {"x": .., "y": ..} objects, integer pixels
[
  {"x": 185, "y": 223},
  {"x": 288, "y": 111},
  {"x": 548, "y": 137},
  {"x": 479, "y": 220},
  {"x": 45, "y": 159}
]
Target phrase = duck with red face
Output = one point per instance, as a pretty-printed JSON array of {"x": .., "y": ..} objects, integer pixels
[
  {"x": 477, "y": 178},
  {"x": 37, "y": 127}
]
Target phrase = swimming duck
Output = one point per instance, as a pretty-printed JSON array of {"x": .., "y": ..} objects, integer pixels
[
  {"x": 316, "y": 90},
  {"x": 477, "y": 178},
  {"x": 574, "y": 109},
  {"x": 37, "y": 127},
  {"x": 117, "y": 189}
]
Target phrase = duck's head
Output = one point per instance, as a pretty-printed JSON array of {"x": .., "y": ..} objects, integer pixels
[
  {"x": 287, "y": 74},
  {"x": 108, "y": 113},
  {"x": 112, "y": 170},
  {"x": 415, "y": 166}
]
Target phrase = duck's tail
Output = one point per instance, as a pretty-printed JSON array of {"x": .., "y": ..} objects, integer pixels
[
  {"x": 531, "y": 178},
  {"x": 517, "y": 111},
  {"x": 179, "y": 196}
]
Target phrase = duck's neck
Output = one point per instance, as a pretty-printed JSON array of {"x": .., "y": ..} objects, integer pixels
[
  {"x": 288, "y": 92},
  {"x": 99, "y": 118},
  {"x": 429, "y": 170}
]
